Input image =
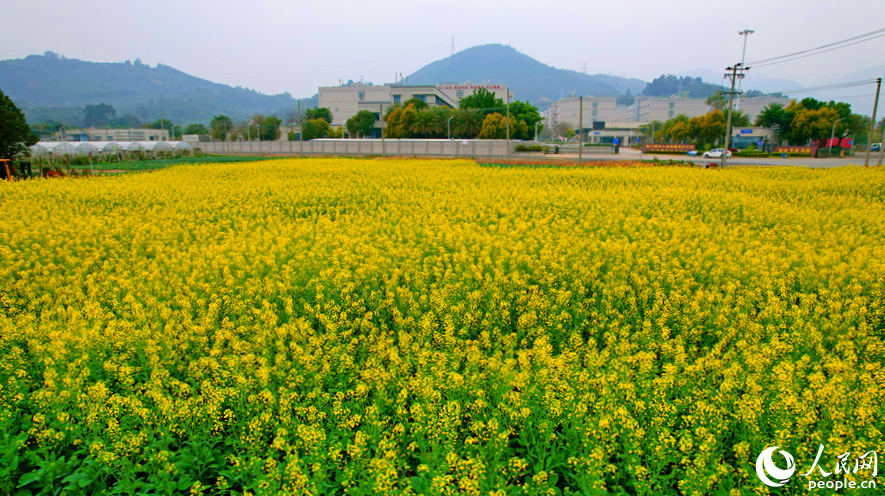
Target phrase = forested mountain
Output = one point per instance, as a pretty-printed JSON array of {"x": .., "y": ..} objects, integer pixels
[
  {"x": 53, "y": 87},
  {"x": 528, "y": 78},
  {"x": 670, "y": 85}
]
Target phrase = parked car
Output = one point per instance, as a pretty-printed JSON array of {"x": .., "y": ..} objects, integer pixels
[
  {"x": 716, "y": 153},
  {"x": 876, "y": 147}
]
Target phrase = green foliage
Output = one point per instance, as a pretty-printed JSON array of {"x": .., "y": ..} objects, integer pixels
[
  {"x": 524, "y": 112},
  {"x": 718, "y": 101},
  {"x": 270, "y": 129},
  {"x": 668, "y": 85},
  {"x": 15, "y": 135},
  {"x": 98, "y": 115},
  {"x": 196, "y": 129},
  {"x": 220, "y": 126},
  {"x": 531, "y": 148},
  {"x": 483, "y": 100},
  {"x": 467, "y": 123},
  {"x": 315, "y": 129},
  {"x": 318, "y": 113},
  {"x": 418, "y": 103},
  {"x": 495, "y": 127},
  {"x": 362, "y": 124},
  {"x": 428, "y": 123}
]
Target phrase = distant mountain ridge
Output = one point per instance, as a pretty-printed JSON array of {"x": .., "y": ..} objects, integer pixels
[
  {"x": 44, "y": 85},
  {"x": 528, "y": 78}
]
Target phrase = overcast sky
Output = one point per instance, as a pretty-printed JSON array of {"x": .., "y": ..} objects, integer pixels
[{"x": 276, "y": 46}]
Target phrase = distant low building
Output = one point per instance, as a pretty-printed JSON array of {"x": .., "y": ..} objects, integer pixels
[
  {"x": 345, "y": 101},
  {"x": 103, "y": 134}
]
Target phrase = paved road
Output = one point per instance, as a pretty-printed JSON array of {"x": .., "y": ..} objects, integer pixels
[{"x": 630, "y": 154}]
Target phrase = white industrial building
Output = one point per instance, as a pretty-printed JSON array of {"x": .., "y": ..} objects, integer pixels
[
  {"x": 604, "y": 120},
  {"x": 345, "y": 101},
  {"x": 107, "y": 134}
]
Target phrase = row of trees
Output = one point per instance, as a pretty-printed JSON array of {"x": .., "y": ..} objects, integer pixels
[
  {"x": 813, "y": 120},
  {"x": 258, "y": 127},
  {"x": 702, "y": 130},
  {"x": 479, "y": 115},
  {"x": 798, "y": 123}
]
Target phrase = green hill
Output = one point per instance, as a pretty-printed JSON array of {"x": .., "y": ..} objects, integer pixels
[
  {"x": 53, "y": 87},
  {"x": 528, "y": 78}
]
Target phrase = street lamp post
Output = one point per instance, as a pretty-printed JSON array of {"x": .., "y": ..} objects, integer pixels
[
  {"x": 746, "y": 34},
  {"x": 832, "y": 135},
  {"x": 449, "y": 126},
  {"x": 536, "y": 128}
]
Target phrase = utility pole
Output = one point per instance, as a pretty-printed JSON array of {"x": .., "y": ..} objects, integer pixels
[
  {"x": 381, "y": 118},
  {"x": 746, "y": 34},
  {"x": 881, "y": 145},
  {"x": 300, "y": 130},
  {"x": 580, "y": 130},
  {"x": 866, "y": 160},
  {"x": 734, "y": 76},
  {"x": 508, "y": 123}
]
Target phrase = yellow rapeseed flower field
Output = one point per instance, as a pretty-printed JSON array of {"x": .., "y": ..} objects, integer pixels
[{"x": 400, "y": 327}]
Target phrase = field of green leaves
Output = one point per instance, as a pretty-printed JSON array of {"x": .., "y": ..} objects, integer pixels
[{"x": 405, "y": 327}]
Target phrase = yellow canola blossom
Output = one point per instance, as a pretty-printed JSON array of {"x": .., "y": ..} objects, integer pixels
[{"x": 405, "y": 327}]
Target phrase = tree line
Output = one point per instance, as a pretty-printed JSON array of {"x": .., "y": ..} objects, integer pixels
[
  {"x": 797, "y": 123},
  {"x": 479, "y": 115}
]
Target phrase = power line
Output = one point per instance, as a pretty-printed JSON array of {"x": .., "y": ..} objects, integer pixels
[
  {"x": 827, "y": 87},
  {"x": 821, "y": 49}
]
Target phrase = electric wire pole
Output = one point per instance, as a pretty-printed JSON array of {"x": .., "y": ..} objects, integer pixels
[
  {"x": 381, "y": 118},
  {"x": 581, "y": 130},
  {"x": 866, "y": 160},
  {"x": 300, "y": 130},
  {"x": 508, "y": 123},
  {"x": 734, "y": 76}
]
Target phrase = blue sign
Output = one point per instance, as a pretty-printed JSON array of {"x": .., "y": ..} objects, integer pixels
[
  {"x": 746, "y": 131},
  {"x": 759, "y": 143},
  {"x": 617, "y": 141},
  {"x": 596, "y": 132}
]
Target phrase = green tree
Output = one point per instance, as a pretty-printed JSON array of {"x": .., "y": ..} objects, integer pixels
[
  {"x": 196, "y": 129},
  {"x": 526, "y": 113},
  {"x": 418, "y": 103},
  {"x": 361, "y": 124},
  {"x": 319, "y": 113},
  {"x": 98, "y": 115},
  {"x": 467, "y": 123},
  {"x": 740, "y": 119},
  {"x": 814, "y": 125},
  {"x": 400, "y": 122},
  {"x": 15, "y": 135},
  {"x": 677, "y": 128},
  {"x": 129, "y": 121},
  {"x": 270, "y": 130},
  {"x": 495, "y": 126},
  {"x": 482, "y": 100},
  {"x": 718, "y": 101},
  {"x": 427, "y": 123},
  {"x": 221, "y": 125},
  {"x": 315, "y": 129},
  {"x": 656, "y": 127}
]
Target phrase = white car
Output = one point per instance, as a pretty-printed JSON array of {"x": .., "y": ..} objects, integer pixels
[{"x": 716, "y": 153}]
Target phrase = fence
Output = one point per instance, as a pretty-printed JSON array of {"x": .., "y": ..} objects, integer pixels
[{"x": 394, "y": 147}]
